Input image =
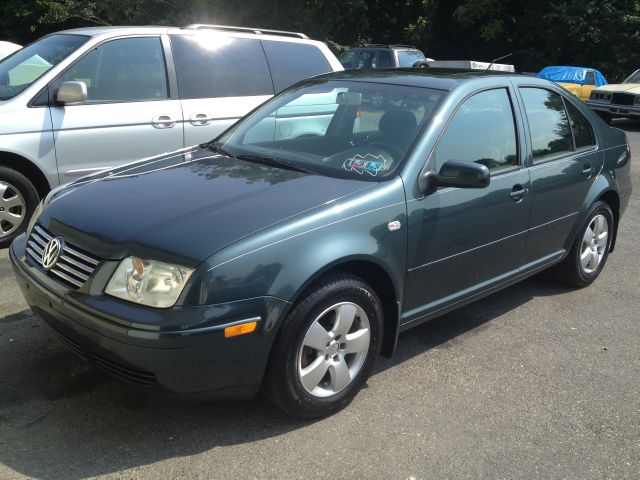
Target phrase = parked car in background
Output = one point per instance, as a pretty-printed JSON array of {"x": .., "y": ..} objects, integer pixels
[
  {"x": 465, "y": 65},
  {"x": 7, "y": 48},
  {"x": 376, "y": 55},
  {"x": 618, "y": 100},
  {"x": 578, "y": 80},
  {"x": 83, "y": 100},
  {"x": 289, "y": 264}
]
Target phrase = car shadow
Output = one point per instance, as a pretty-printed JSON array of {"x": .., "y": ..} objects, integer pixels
[{"x": 61, "y": 419}]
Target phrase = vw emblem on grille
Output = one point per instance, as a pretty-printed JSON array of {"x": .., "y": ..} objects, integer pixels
[{"x": 51, "y": 253}]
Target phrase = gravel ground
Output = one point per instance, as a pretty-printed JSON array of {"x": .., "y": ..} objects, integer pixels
[{"x": 536, "y": 381}]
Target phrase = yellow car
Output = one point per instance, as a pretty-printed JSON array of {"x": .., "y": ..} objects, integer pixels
[
  {"x": 580, "y": 81},
  {"x": 620, "y": 100}
]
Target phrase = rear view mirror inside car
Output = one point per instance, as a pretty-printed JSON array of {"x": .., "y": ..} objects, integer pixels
[{"x": 349, "y": 98}]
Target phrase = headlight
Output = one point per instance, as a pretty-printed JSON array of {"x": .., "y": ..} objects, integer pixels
[{"x": 150, "y": 283}]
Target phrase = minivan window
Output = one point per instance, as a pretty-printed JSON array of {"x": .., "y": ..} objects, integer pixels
[
  {"x": 548, "y": 123},
  {"x": 483, "y": 131},
  {"x": 122, "y": 70},
  {"x": 406, "y": 58},
  {"x": 213, "y": 66},
  {"x": 292, "y": 62},
  {"x": 582, "y": 129},
  {"x": 24, "y": 67},
  {"x": 348, "y": 59}
]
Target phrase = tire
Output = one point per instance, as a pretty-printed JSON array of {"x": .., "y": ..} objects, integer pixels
[
  {"x": 18, "y": 200},
  {"x": 315, "y": 381},
  {"x": 590, "y": 249}
]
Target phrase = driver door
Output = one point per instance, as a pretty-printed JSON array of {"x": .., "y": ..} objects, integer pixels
[{"x": 464, "y": 240}]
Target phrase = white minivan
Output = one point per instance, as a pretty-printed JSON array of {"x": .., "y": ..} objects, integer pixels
[{"x": 84, "y": 100}]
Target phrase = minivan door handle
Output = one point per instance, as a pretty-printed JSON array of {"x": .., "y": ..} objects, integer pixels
[
  {"x": 587, "y": 171},
  {"x": 518, "y": 192},
  {"x": 200, "y": 119},
  {"x": 163, "y": 121}
]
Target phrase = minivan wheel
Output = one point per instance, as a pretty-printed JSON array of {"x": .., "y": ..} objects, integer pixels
[
  {"x": 326, "y": 348},
  {"x": 591, "y": 247},
  {"x": 18, "y": 200}
]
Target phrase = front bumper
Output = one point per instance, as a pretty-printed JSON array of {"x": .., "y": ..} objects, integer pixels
[
  {"x": 196, "y": 359},
  {"x": 614, "y": 109}
]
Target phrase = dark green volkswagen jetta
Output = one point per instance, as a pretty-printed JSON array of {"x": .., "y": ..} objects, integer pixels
[{"x": 287, "y": 254}]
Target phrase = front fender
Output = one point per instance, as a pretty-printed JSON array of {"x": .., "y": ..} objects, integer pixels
[{"x": 282, "y": 260}]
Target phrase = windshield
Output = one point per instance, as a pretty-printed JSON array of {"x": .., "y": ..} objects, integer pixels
[
  {"x": 406, "y": 58},
  {"x": 633, "y": 78},
  {"x": 24, "y": 67},
  {"x": 342, "y": 129}
]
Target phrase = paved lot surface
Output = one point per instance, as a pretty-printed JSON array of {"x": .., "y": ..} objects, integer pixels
[{"x": 537, "y": 381}]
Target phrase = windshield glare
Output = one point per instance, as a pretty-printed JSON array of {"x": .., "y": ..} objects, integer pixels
[
  {"x": 633, "y": 78},
  {"x": 343, "y": 129},
  {"x": 24, "y": 67}
]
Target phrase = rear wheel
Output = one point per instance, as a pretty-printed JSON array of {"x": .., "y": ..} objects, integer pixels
[
  {"x": 18, "y": 199},
  {"x": 326, "y": 348},
  {"x": 591, "y": 247}
]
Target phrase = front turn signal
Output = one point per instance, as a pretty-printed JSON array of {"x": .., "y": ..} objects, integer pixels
[{"x": 241, "y": 329}]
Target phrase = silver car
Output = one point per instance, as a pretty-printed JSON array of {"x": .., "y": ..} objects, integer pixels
[{"x": 84, "y": 100}]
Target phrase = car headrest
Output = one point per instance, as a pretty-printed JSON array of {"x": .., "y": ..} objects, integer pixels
[{"x": 398, "y": 123}]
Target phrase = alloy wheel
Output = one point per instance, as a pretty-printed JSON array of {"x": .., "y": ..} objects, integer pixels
[
  {"x": 13, "y": 209},
  {"x": 334, "y": 349},
  {"x": 594, "y": 244}
]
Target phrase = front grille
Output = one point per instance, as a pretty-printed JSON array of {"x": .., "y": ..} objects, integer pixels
[
  {"x": 74, "y": 266},
  {"x": 623, "y": 99}
]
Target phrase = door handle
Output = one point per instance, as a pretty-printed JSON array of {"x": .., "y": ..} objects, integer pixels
[
  {"x": 587, "y": 171},
  {"x": 163, "y": 121},
  {"x": 518, "y": 192},
  {"x": 200, "y": 119}
]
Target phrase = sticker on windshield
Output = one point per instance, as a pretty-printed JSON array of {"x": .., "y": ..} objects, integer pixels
[{"x": 372, "y": 164}]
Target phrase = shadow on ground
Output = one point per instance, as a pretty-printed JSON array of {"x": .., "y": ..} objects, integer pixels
[{"x": 60, "y": 419}]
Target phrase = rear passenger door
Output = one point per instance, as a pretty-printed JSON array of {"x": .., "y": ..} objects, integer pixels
[
  {"x": 565, "y": 162},
  {"x": 220, "y": 79}
]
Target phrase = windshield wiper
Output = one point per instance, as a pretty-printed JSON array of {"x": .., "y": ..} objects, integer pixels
[
  {"x": 215, "y": 147},
  {"x": 274, "y": 162}
]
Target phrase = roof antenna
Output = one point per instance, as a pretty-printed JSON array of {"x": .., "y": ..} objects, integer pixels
[{"x": 496, "y": 59}]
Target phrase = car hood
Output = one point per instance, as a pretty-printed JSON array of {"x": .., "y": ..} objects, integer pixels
[
  {"x": 621, "y": 87},
  {"x": 183, "y": 207}
]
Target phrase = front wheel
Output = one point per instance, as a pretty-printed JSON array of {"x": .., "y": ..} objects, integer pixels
[
  {"x": 18, "y": 199},
  {"x": 591, "y": 247},
  {"x": 326, "y": 348}
]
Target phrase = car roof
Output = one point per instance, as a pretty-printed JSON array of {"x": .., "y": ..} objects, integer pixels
[{"x": 439, "y": 78}]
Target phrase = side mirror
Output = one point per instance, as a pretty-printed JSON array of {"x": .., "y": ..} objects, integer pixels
[
  {"x": 456, "y": 173},
  {"x": 71, "y": 92}
]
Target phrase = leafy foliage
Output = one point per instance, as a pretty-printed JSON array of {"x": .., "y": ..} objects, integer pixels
[{"x": 604, "y": 34}]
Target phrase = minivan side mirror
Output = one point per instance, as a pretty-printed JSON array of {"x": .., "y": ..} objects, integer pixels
[
  {"x": 456, "y": 173},
  {"x": 71, "y": 92}
]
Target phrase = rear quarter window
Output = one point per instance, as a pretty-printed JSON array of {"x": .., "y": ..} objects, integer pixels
[{"x": 292, "y": 62}]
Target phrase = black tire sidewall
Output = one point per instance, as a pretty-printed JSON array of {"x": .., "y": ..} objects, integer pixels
[
  {"x": 29, "y": 194},
  {"x": 296, "y": 399},
  {"x": 599, "y": 208}
]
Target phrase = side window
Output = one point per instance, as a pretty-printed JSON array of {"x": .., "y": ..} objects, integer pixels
[
  {"x": 548, "y": 123},
  {"x": 291, "y": 62},
  {"x": 582, "y": 129},
  {"x": 123, "y": 70},
  {"x": 367, "y": 59},
  {"x": 211, "y": 66},
  {"x": 482, "y": 130},
  {"x": 590, "y": 78},
  {"x": 384, "y": 59},
  {"x": 348, "y": 59}
]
